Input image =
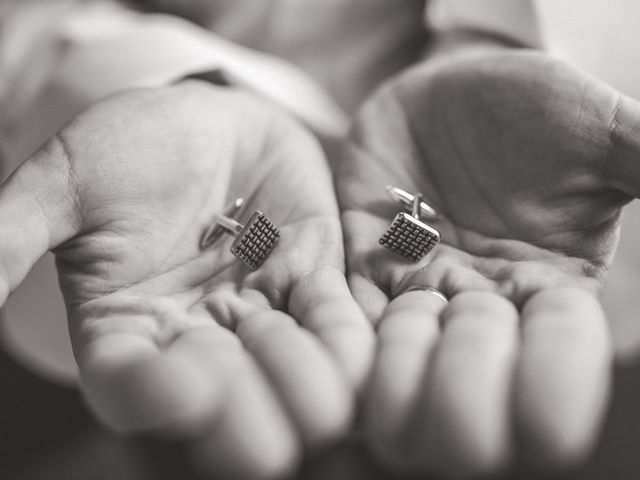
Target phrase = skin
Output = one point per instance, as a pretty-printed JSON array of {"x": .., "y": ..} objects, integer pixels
[
  {"x": 530, "y": 161},
  {"x": 251, "y": 369}
]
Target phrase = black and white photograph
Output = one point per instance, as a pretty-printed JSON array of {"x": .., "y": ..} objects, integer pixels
[{"x": 319, "y": 240}]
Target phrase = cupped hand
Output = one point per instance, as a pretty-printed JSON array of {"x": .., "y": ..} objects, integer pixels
[
  {"x": 179, "y": 341},
  {"x": 530, "y": 162}
]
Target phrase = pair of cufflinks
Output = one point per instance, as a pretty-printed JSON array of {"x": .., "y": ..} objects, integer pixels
[{"x": 407, "y": 235}]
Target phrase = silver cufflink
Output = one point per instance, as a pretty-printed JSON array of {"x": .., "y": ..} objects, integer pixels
[
  {"x": 255, "y": 240},
  {"x": 408, "y": 235}
]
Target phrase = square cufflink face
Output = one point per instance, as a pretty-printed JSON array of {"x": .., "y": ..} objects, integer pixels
[
  {"x": 409, "y": 237},
  {"x": 255, "y": 241}
]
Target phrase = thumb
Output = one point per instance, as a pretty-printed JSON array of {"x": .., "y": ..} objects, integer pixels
[
  {"x": 623, "y": 165},
  {"x": 38, "y": 211}
]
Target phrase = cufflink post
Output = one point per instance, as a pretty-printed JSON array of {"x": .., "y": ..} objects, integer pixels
[{"x": 405, "y": 198}]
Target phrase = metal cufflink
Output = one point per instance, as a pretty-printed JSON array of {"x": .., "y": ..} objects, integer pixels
[
  {"x": 408, "y": 235},
  {"x": 254, "y": 240}
]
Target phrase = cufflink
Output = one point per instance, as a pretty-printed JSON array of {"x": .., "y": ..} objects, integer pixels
[
  {"x": 254, "y": 241},
  {"x": 408, "y": 235},
  {"x": 406, "y": 199}
]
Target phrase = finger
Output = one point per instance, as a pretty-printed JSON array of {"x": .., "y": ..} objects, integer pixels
[
  {"x": 365, "y": 269},
  {"x": 622, "y": 167},
  {"x": 463, "y": 420},
  {"x": 134, "y": 386},
  {"x": 407, "y": 334},
  {"x": 323, "y": 304},
  {"x": 307, "y": 380},
  {"x": 38, "y": 211},
  {"x": 252, "y": 437},
  {"x": 563, "y": 376},
  {"x": 371, "y": 299}
]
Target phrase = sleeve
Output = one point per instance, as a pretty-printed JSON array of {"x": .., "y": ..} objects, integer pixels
[
  {"x": 516, "y": 20},
  {"x": 28, "y": 51},
  {"x": 95, "y": 48}
]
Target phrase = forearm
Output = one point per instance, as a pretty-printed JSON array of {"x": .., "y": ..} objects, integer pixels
[
  {"x": 447, "y": 44},
  {"x": 471, "y": 26}
]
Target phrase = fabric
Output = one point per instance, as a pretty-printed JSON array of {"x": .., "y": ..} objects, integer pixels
[
  {"x": 98, "y": 48},
  {"x": 60, "y": 56}
]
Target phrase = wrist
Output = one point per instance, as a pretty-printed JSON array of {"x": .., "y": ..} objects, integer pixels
[
  {"x": 465, "y": 42},
  {"x": 497, "y": 23}
]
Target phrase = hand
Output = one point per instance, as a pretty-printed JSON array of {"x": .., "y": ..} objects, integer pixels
[
  {"x": 530, "y": 161},
  {"x": 177, "y": 341}
]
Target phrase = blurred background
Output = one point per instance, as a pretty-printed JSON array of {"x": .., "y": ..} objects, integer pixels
[{"x": 46, "y": 433}]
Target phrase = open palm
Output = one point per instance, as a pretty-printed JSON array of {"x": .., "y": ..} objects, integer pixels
[
  {"x": 530, "y": 162},
  {"x": 183, "y": 342}
]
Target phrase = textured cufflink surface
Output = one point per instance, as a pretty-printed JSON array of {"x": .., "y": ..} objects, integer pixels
[
  {"x": 255, "y": 241},
  {"x": 409, "y": 237}
]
